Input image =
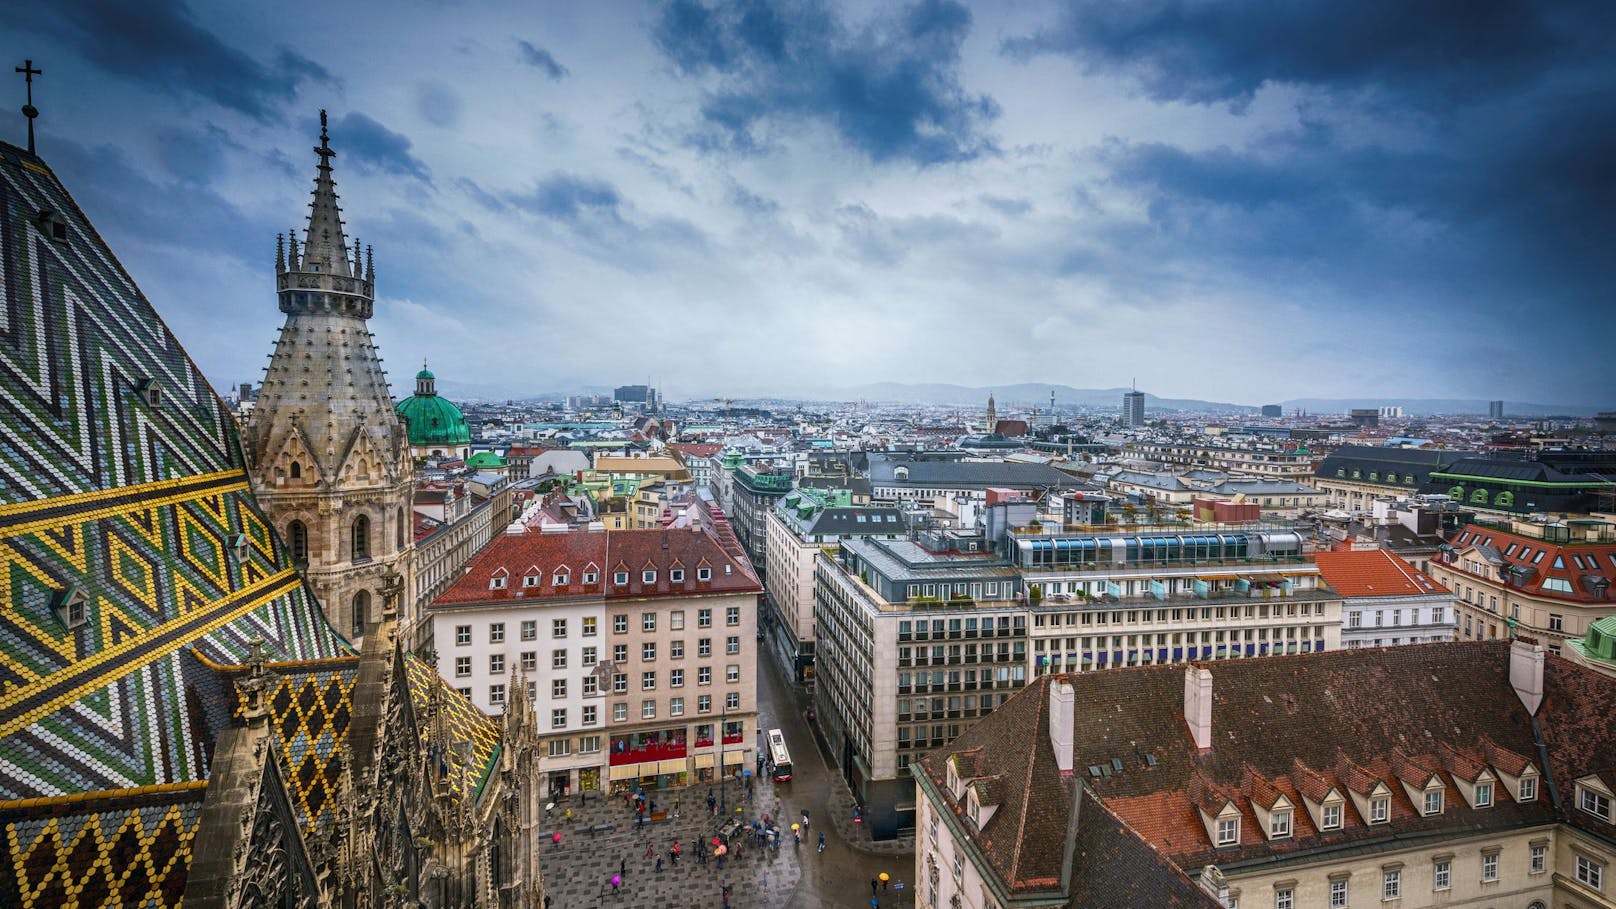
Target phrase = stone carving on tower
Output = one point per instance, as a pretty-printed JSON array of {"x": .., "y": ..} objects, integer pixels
[{"x": 328, "y": 455}]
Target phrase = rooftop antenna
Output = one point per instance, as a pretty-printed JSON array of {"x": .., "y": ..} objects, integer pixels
[{"x": 28, "y": 109}]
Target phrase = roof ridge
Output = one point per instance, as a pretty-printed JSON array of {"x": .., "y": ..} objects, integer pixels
[{"x": 1026, "y": 788}]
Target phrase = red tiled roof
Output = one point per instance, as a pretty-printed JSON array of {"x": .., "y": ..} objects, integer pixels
[
  {"x": 1374, "y": 573},
  {"x": 608, "y": 551},
  {"x": 698, "y": 449},
  {"x": 1579, "y": 565}
]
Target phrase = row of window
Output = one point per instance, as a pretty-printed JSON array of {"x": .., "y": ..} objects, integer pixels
[
  {"x": 589, "y": 714},
  {"x": 1588, "y": 872},
  {"x": 1380, "y": 808},
  {"x": 676, "y": 620},
  {"x": 1204, "y": 613},
  {"x": 676, "y": 678},
  {"x": 1355, "y": 617},
  {"x": 529, "y": 630},
  {"x": 563, "y": 577}
]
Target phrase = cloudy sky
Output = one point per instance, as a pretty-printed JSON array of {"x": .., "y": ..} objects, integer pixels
[{"x": 1242, "y": 202}]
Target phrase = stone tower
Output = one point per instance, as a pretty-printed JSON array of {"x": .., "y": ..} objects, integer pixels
[
  {"x": 993, "y": 415},
  {"x": 327, "y": 454}
]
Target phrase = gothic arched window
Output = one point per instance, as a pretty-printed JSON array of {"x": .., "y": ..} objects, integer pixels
[
  {"x": 297, "y": 470},
  {"x": 361, "y": 608},
  {"x": 361, "y": 538},
  {"x": 402, "y": 523},
  {"x": 297, "y": 536}
]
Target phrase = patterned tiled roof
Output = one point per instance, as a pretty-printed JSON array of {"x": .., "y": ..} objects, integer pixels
[
  {"x": 122, "y": 493},
  {"x": 310, "y": 706},
  {"x": 463, "y": 724}
]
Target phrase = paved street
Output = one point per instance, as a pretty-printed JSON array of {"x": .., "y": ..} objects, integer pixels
[{"x": 578, "y": 871}]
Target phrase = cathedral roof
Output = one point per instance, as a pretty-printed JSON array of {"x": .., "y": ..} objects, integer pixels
[{"x": 130, "y": 546}]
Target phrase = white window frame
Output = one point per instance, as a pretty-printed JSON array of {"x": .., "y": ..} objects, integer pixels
[
  {"x": 1489, "y": 867},
  {"x": 1590, "y": 873},
  {"x": 1391, "y": 884},
  {"x": 1380, "y": 810},
  {"x": 1330, "y": 817},
  {"x": 1279, "y": 824},
  {"x": 1228, "y": 831},
  {"x": 1484, "y": 795},
  {"x": 1442, "y": 875}
]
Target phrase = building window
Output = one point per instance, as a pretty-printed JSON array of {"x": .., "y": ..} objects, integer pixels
[
  {"x": 1528, "y": 789},
  {"x": 620, "y": 624},
  {"x": 1556, "y": 622},
  {"x": 1338, "y": 894},
  {"x": 1484, "y": 795},
  {"x": 1590, "y": 872},
  {"x": 648, "y": 681},
  {"x": 1279, "y": 824},
  {"x": 1433, "y": 802},
  {"x": 558, "y": 688},
  {"x": 676, "y": 707},
  {"x": 1284, "y": 898},
  {"x": 619, "y": 682},
  {"x": 1593, "y": 803},
  {"x": 1442, "y": 875},
  {"x": 561, "y": 579},
  {"x": 676, "y": 678},
  {"x": 558, "y": 718},
  {"x": 464, "y": 692},
  {"x": 591, "y": 577},
  {"x": 591, "y": 686},
  {"x": 648, "y": 653},
  {"x": 558, "y": 628},
  {"x": 530, "y": 630},
  {"x": 732, "y": 615},
  {"x": 462, "y": 635},
  {"x": 589, "y": 744},
  {"x": 497, "y": 582},
  {"x": 361, "y": 538},
  {"x": 704, "y": 647},
  {"x": 1539, "y": 859},
  {"x": 462, "y": 667},
  {"x": 704, "y": 574},
  {"x": 560, "y": 747},
  {"x": 648, "y": 621},
  {"x": 1355, "y": 619},
  {"x": 589, "y": 627},
  {"x": 496, "y": 663},
  {"x": 1331, "y": 817},
  {"x": 619, "y": 712},
  {"x": 496, "y": 695},
  {"x": 620, "y": 578},
  {"x": 732, "y": 701},
  {"x": 1489, "y": 867},
  {"x": 558, "y": 658},
  {"x": 676, "y": 575},
  {"x": 732, "y": 674},
  {"x": 704, "y": 618},
  {"x": 704, "y": 703},
  {"x": 590, "y": 718},
  {"x": 530, "y": 661},
  {"x": 1380, "y": 810},
  {"x": 297, "y": 534},
  {"x": 619, "y": 653},
  {"x": 589, "y": 658},
  {"x": 1228, "y": 831},
  {"x": 1391, "y": 884},
  {"x": 676, "y": 650},
  {"x": 647, "y": 577},
  {"x": 732, "y": 644},
  {"x": 496, "y": 632},
  {"x": 648, "y": 709},
  {"x": 676, "y": 620},
  {"x": 704, "y": 675}
]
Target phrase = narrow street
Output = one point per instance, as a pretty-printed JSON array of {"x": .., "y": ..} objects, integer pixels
[{"x": 841, "y": 876}]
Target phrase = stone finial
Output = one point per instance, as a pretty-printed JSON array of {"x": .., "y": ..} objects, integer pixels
[{"x": 255, "y": 684}]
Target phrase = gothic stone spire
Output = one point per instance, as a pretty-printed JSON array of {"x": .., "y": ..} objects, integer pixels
[{"x": 321, "y": 277}]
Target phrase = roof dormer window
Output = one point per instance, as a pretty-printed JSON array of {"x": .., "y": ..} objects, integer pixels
[
  {"x": 150, "y": 391},
  {"x": 1432, "y": 805},
  {"x": 1380, "y": 809},
  {"x": 238, "y": 547},
  {"x": 561, "y": 579},
  {"x": 1330, "y": 817},
  {"x": 72, "y": 607},
  {"x": 52, "y": 225},
  {"x": 1228, "y": 831},
  {"x": 1526, "y": 791},
  {"x": 497, "y": 582},
  {"x": 704, "y": 574},
  {"x": 620, "y": 578},
  {"x": 1484, "y": 795},
  {"x": 531, "y": 580},
  {"x": 648, "y": 577},
  {"x": 1279, "y": 824}
]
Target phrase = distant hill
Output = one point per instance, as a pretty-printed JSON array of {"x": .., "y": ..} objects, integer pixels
[
  {"x": 1026, "y": 394},
  {"x": 1441, "y": 406}
]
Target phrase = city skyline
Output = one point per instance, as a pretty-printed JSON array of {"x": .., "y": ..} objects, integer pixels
[{"x": 828, "y": 196}]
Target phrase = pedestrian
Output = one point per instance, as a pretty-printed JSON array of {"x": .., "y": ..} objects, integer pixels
[
  {"x": 569, "y": 815},
  {"x": 649, "y": 851},
  {"x": 805, "y": 818},
  {"x": 622, "y": 867},
  {"x": 659, "y": 864},
  {"x": 872, "y": 888},
  {"x": 883, "y": 883},
  {"x": 821, "y": 842},
  {"x": 547, "y": 901},
  {"x": 615, "y": 884}
]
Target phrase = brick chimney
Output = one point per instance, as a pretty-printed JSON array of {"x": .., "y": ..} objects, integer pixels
[
  {"x": 1062, "y": 701},
  {"x": 1526, "y": 673},
  {"x": 1198, "y": 705}
]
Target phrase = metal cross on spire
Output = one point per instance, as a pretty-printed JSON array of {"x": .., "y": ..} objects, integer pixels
[
  {"x": 324, "y": 151},
  {"x": 29, "y": 110}
]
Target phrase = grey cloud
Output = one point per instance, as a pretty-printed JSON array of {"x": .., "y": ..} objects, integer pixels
[
  {"x": 540, "y": 59},
  {"x": 374, "y": 148},
  {"x": 889, "y": 88},
  {"x": 160, "y": 45},
  {"x": 438, "y": 104}
]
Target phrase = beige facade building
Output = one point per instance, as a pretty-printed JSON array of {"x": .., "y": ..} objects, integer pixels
[
  {"x": 328, "y": 457},
  {"x": 1460, "y": 774},
  {"x": 1545, "y": 581}
]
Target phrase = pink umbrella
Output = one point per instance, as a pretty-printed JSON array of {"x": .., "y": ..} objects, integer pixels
[
  {"x": 617, "y": 880},
  {"x": 720, "y": 850},
  {"x": 556, "y": 838}
]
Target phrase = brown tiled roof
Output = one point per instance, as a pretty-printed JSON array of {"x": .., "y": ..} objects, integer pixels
[
  {"x": 1114, "y": 868},
  {"x": 1503, "y": 759},
  {"x": 1461, "y": 765},
  {"x": 1579, "y": 564},
  {"x": 1350, "y": 719}
]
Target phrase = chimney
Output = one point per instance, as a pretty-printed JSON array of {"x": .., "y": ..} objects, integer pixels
[
  {"x": 1526, "y": 673},
  {"x": 1198, "y": 705},
  {"x": 1062, "y": 700},
  {"x": 1214, "y": 884}
]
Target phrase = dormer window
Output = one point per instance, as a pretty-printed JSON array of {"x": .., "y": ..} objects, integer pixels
[
  {"x": 1593, "y": 803},
  {"x": 1330, "y": 817},
  {"x": 52, "y": 225},
  {"x": 590, "y": 577},
  {"x": 620, "y": 578},
  {"x": 1433, "y": 803},
  {"x": 1228, "y": 831},
  {"x": 150, "y": 391},
  {"x": 1380, "y": 809},
  {"x": 561, "y": 579},
  {"x": 1527, "y": 791},
  {"x": 1484, "y": 795},
  {"x": 704, "y": 574},
  {"x": 677, "y": 575},
  {"x": 72, "y": 607},
  {"x": 1279, "y": 824},
  {"x": 531, "y": 580},
  {"x": 238, "y": 547},
  {"x": 497, "y": 582},
  {"x": 647, "y": 577}
]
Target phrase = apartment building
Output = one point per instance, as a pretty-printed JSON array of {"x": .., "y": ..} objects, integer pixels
[
  {"x": 897, "y": 479},
  {"x": 1472, "y": 774},
  {"x": 1548, "y": 581},
  {"x": 637, "y": 648},
  {"x": 1387, "y": 601},
  {"x": 914, "y": 640},
  {"x": 805, "y": 521},
  {"x": 754, "y": 491},
  {"x": 1164, "y": 596},
  {"x": 1263, "y": 462}
]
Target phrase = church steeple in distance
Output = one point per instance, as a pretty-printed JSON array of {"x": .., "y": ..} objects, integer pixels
[{"x": 993, "y": 414}]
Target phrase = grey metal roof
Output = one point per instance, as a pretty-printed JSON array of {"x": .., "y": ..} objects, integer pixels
[{"x": 968, "y": 474}]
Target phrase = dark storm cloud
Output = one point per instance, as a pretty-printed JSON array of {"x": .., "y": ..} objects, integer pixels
[
  {"x": 196, "y": 154},
  {"x": 373, "y": 148},
  {"x": 160, "y": 45},
  {"x": 564, "y": 197},
  {"x": 890, "y": 88},
  {"x": 540, "y": 59},
  {"x": 594, "y": 213},
  {"x": 1180, "y": 50}
]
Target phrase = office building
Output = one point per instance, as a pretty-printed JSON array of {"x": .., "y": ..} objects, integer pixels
[
  {"x": 1133, "y": 408},
  {"x": 1495, "y": 410},
  {"x": 1272, "y": 410}
]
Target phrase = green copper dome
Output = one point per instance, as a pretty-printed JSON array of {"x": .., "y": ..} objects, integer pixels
[{"x": 432, "y": 420}]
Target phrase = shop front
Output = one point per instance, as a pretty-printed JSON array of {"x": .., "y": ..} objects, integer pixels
[{"x": 649, "y": 760}]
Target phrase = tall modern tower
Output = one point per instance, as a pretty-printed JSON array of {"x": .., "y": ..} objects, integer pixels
[
  {"x": 1133, "y": 408},
  {"x": 328, "y": 456}
]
